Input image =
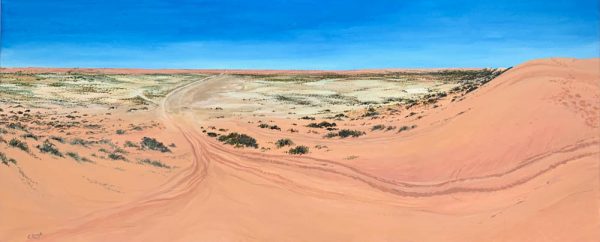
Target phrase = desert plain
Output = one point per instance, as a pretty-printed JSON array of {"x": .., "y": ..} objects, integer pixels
[{"x": 503, "y": 154}]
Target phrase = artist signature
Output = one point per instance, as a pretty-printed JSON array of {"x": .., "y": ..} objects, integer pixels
[{"x": 35, "y": 236}]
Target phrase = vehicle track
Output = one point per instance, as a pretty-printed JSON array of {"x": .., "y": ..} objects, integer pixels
[{"x": 180, "y": 189}]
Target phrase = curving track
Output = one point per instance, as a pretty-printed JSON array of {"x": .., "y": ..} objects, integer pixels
[{"x": 230, "y": 194}]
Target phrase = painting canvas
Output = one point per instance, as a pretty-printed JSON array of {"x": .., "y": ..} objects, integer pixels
[{"x": 299, "y": 120}]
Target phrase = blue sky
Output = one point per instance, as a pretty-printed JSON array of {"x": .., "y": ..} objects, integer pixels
[{"x": 294, "y": 34}]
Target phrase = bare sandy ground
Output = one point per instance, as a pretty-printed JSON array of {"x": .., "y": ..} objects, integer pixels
[{"x": 515, "y": 160}]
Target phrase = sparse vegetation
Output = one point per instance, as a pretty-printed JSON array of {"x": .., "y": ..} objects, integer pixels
[
  {"x": 79, "y": 141},
  {"x": 406, "y": 128},
  {"x": 48, "y": 147},
  {"x": 283, "y": 142},
  {"x": 76, "y": 157},
  {"x": 345, "y": 133},
  {"x": 5, "y": 160},
  {"x": 371, "y": 112},
  {"x": 238, "y": 140},
  {"x": 130, "y": 144},
  {"x": 58, "y": 139},
  {"x": 120, "y": 131},
  {"x": 155, "y": 163},
  {"x": 30, "y": 136},
  {"x": 264, "y": 126},
  {"x": 378, "y": 127},
  {"x": 323, "y": 124},
  {"x": 17, "y": 126},
  {"x": 19, "y": 144},
  {"x": 153, "y": 144},
  {"x": 299, "y": 150},
  {"x": 116, "y": 156}
]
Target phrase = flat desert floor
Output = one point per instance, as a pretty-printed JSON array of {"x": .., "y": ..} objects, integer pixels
[{"x": 374, "y": 155}]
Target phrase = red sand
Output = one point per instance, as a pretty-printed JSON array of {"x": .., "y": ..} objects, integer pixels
[{"x": 517, "y": 160}]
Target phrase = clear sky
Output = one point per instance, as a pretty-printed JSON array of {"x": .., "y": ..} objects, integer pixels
[{"x": 295, "y": 34}]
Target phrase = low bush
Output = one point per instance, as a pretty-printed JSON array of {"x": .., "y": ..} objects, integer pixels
[
  {"x": 130, "y": 144},
  {"x": 48, "y": 147},
  {"x": 5, "y": 160},
  {"x": 378, "y": 127},
  {"x": 29, "y": 135},
  {"x": 82, "y": 142},
  {"x": 116, "y": 156},
  {"x": 345, "y": 133},
  {"x": 18, "y": 126},
  {"x": 19, "y": 144},
  {"x": 265, "y": 126},
  {"x": 406, "y": 128},
  {"x": 153, "y": 144},
  {"x": 212, "y": 134},
  {"x": 238, "y": 140},
  {"x": 120, "y": 131},
  {"x": 283, "y": 142},
  {"x": 59, "y": 139},
  {"x": 155, "y": 163},
  {"x": 298, "y": 150},
  {"x": 323, "y": 124},
  {"x": 74, "y": 155}
]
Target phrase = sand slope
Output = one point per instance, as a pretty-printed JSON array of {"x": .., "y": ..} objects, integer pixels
[{"x": 516, "y": 160}]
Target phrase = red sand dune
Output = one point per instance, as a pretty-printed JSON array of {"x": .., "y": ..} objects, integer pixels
[{"x": 517, "y": 160}]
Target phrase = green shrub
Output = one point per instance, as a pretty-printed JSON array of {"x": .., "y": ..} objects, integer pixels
[
  {"x": 155, "y": 163},
  {"x": 116, "y": 156},
  {"x": 82, "y": 142},
  {"x": 298, "y": 150},
  {"x": 130, "y": 144},
  {"x": 154, "y": 144},
  {"x": 238, "y": 140},
  {"x": 406, "y": 128},
  {"x": 19, "y": 144},
  {"x": 264, "y": 126},
  {"x": 345, "y": 133},
  {"x": 120, "y": 131},
  {"x": 283, "y": 142},
  {"x": 29, "y": 135},
  {"x": 59, "y": 139},
  {"x": 119, "y": 150},
  {"x": 5, "y": 160},
  {"x": 18, "y": 126},
  {"x": 74, "y": 155},
  {"x": 212, "y": 134},
  {"x": 378, "y": 127},
  {"x": 323, "y": 124},
  {"x": 48, "y": 147}
]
